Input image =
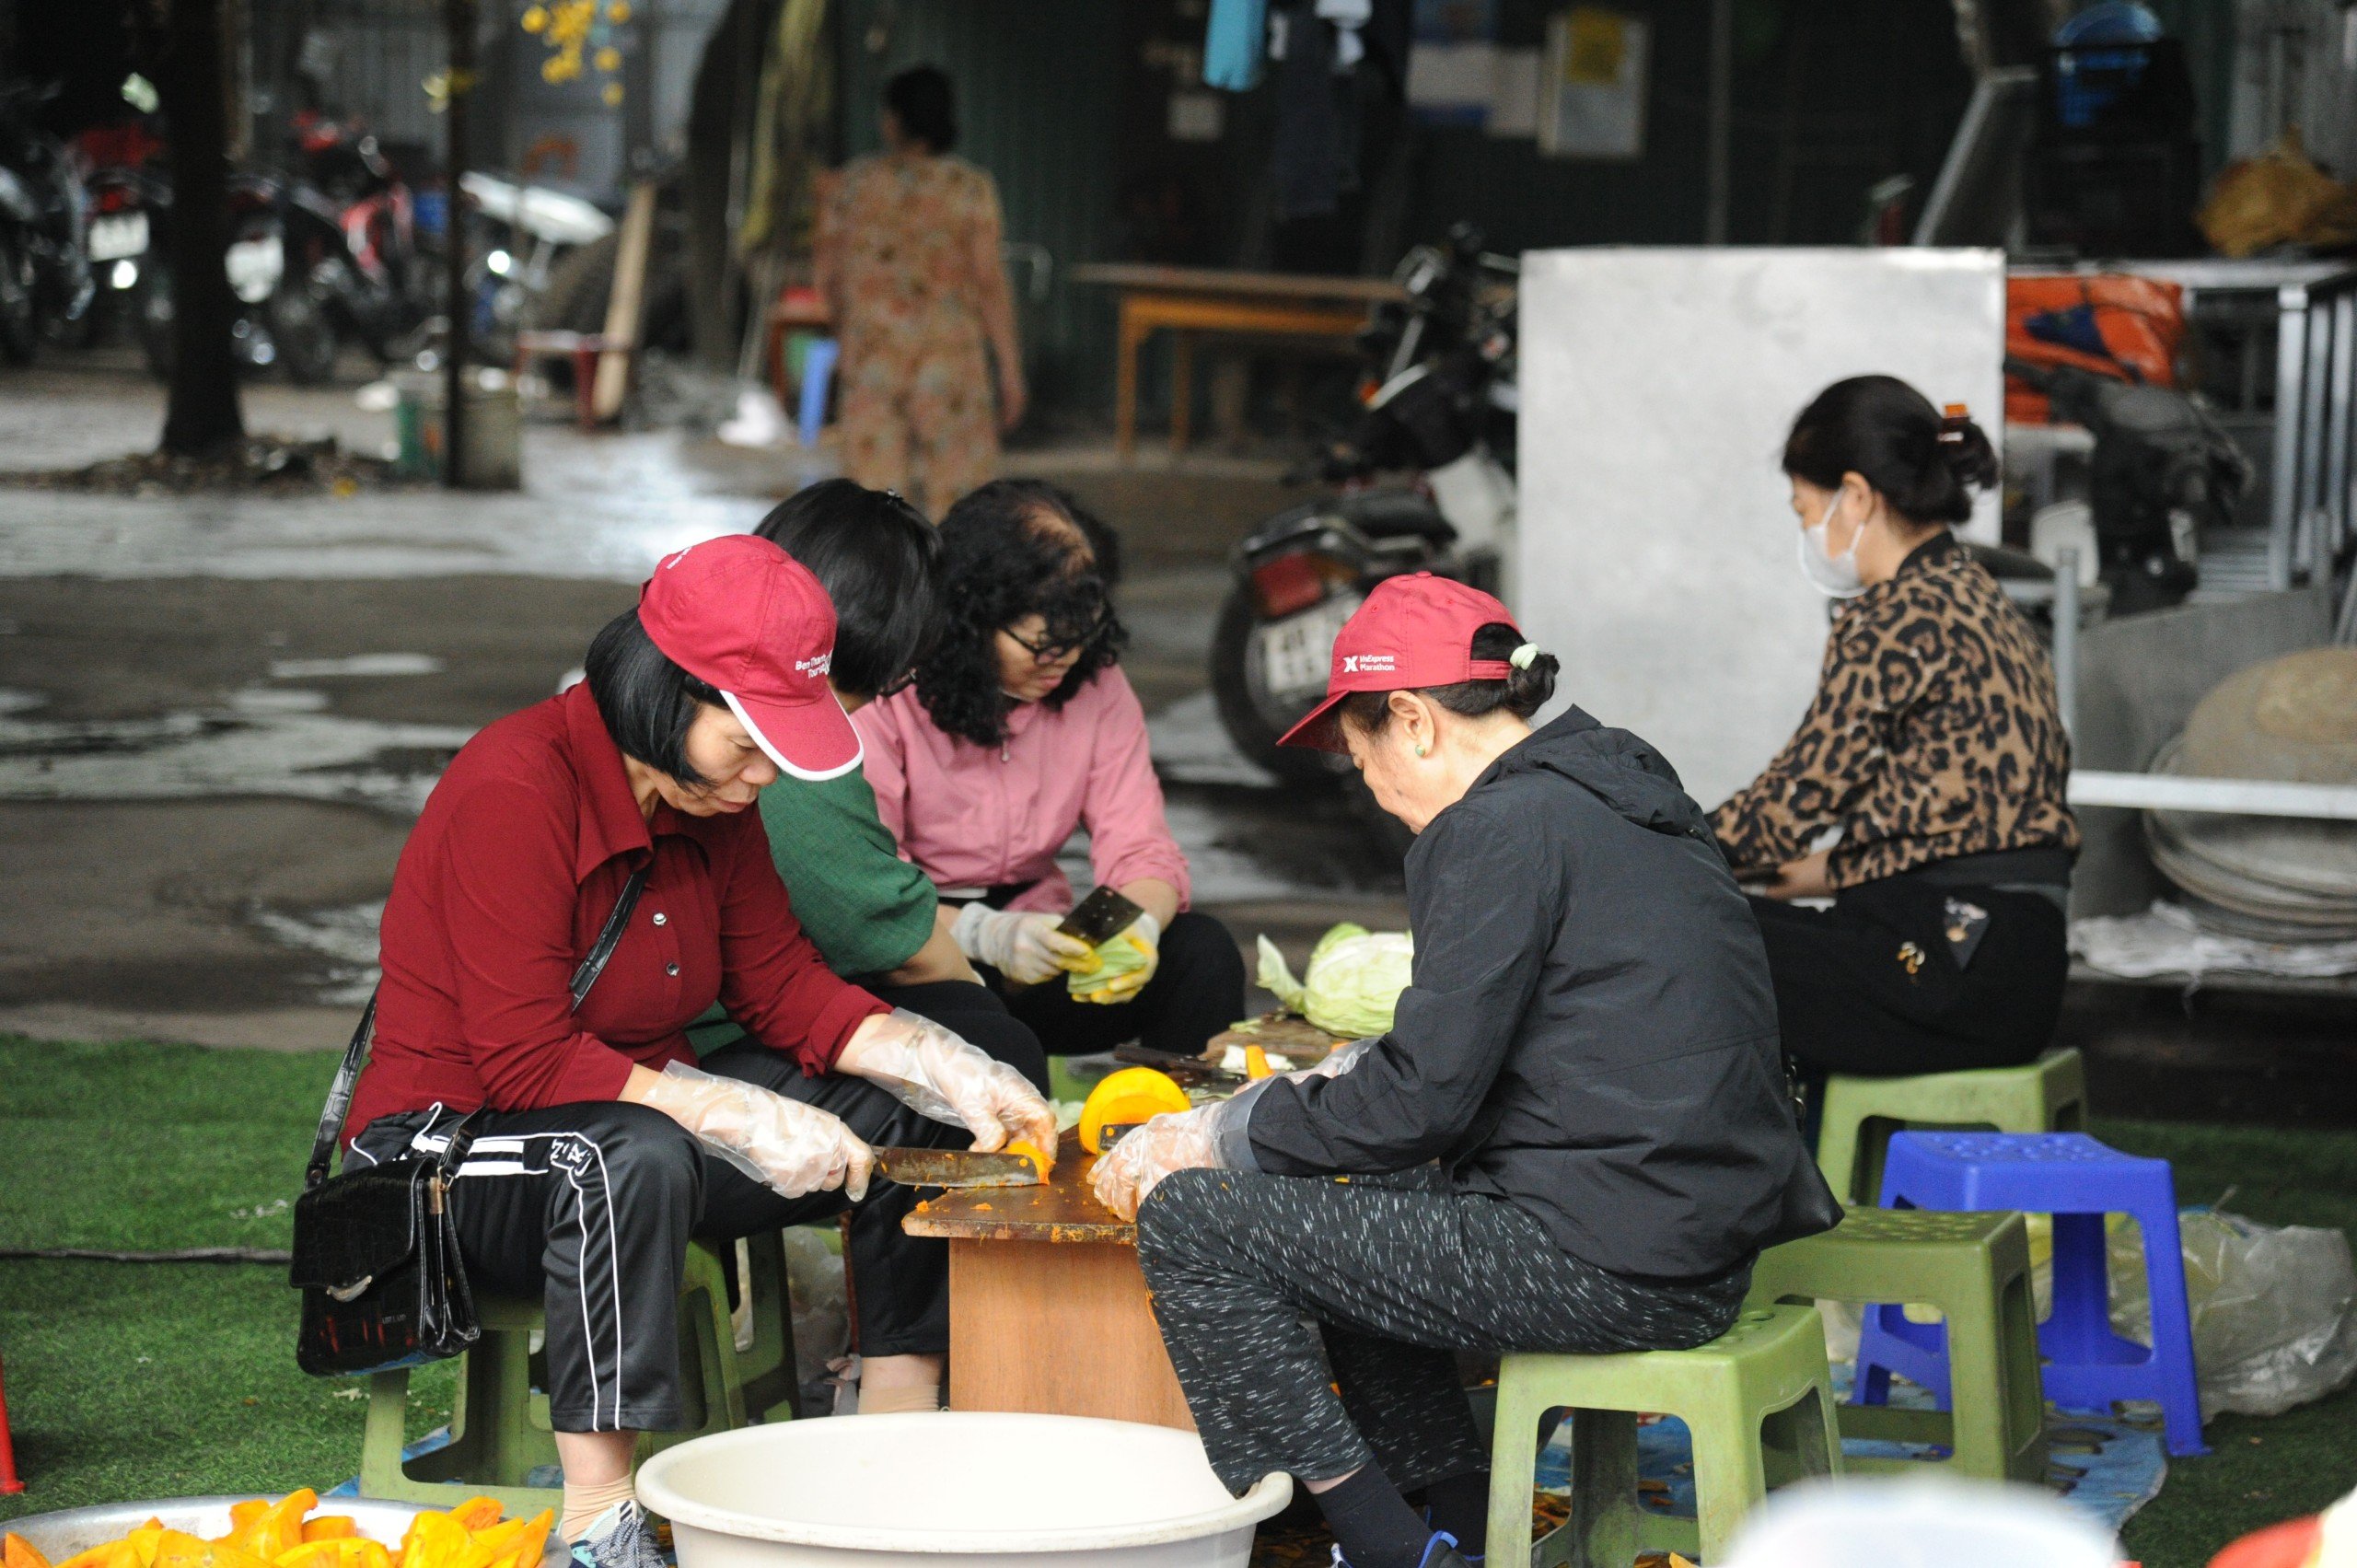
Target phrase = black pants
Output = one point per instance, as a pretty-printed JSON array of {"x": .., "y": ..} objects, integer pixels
[
  {"x": 1196, "y": 992},
  {"x": 591, "y": 1206},
  {"x": 1398, "y": 1274},
  {"x": 1875, "y": 986},
  {"x": 977, "y": 1014}
]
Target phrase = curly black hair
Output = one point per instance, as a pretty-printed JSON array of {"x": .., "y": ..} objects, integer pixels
[{"x": 1017, "y": 547}]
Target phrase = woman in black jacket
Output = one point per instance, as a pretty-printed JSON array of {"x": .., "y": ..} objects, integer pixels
[{"x": 1578, "y": 1119}]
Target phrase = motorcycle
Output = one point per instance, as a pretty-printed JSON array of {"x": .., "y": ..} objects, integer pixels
[
  {"x": 1438, "y": 400},
  {"x": 2162, "y": 472},
  {"x": 44, "y": 273},
  {"x": 375, "y": 280},
  {"x": 278, "y": 236},
  {"x": 525, "y": 228},
  {"x": 128, "y": 191}
]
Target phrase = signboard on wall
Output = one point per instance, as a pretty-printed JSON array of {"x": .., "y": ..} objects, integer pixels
[{"x": 1592, "y": 102}]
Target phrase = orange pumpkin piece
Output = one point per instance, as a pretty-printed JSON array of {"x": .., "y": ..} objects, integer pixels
[
  {"x": 16, "y": 1552},
  {"x": 477, "y": 1513},
  {"x": 106, "y": 1554},
  {"x": 530, "y": 1541},
  {"x": 178, "y": 1548},
  {"x": 433, "y": 1540},
  {"x": 1041, "y": 1160},
  {"x": 331, "y": 1526}
]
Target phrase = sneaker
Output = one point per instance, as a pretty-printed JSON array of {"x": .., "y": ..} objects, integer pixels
[
  {"x": 621, "y": 1536},
  {"x": 1439, "y": 1552}
]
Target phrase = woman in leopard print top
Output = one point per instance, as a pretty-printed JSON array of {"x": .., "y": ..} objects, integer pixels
[{"x": 1933, "y": 757}]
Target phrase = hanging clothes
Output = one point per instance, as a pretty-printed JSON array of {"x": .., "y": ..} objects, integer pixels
[{"x": 1236, "y": 44}]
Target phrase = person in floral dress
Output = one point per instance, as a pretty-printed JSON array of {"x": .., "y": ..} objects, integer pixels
[{"x": 908, "y": 258}]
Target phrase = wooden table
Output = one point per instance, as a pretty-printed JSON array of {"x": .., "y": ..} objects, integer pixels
[
  {"x": 1048, "y": 1312},
  {"x": 1185, "y": 301}
]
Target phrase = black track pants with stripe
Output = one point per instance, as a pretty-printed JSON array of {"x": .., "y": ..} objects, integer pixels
[
  {"x": 1312, "y": 1321},
  {"x": 591, "y": 1206}
]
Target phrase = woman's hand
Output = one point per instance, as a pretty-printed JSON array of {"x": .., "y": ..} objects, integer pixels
[
  {"x": 1142, "y": 939},
  {"x": 1802, "y": 878},
  {"x": 1127, "y": 1173},
  {"x": 787, "y": 1146},
  {"x": 937, "y": 1074},
  {"x": 1025, "y": 947}
]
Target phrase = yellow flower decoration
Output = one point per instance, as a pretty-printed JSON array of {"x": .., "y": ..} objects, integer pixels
[
  {"x": 613, "y": 94},
  {"x": 610, "y": 58},
  {"x": 535, "y": 18},
  {"x": 618, "y": 11}
]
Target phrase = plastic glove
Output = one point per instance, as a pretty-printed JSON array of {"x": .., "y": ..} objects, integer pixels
[
  {"x": 1191, "y": 1140},
  {"x": 785, "y": 1145},
  {"x": 937, "y": 1074},
  {"x": 1121, "y": 965},
  {"x": 1025, "y": 948}
]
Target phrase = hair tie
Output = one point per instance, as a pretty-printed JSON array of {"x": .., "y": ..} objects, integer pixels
[
  {"x": 1523, "y": 657},
  {"x": 1952, "y": 423}
]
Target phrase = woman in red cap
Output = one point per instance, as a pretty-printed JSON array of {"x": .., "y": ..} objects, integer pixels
[
  {"x": 600, "y": 1145},
  {"x": 1574, "y": 1139}
]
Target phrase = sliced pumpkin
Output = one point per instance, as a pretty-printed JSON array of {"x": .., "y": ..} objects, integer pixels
[
  {"x": 1043, "y": 1160},
  {"x": 331, "y": 1526},
  {"x": 477, "y": 1513},
  {"x": 1126, "y": 1098},
  {"x": 16, "y": 1552}
]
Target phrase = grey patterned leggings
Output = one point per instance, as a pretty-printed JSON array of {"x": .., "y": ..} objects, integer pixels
[{"x": 1394, "y": 1273}]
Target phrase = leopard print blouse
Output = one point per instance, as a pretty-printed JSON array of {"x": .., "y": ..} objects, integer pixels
[{"x": 1934, "y": 733}]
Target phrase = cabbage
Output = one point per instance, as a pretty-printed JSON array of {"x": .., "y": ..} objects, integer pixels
[{"x": 1351, "y": 982}]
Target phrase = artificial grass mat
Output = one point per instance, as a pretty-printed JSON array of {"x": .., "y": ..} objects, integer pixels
[{"x": 148, "y": 1380}]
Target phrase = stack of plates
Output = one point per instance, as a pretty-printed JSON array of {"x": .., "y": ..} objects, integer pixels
[{"x": 2276, "y": 879}]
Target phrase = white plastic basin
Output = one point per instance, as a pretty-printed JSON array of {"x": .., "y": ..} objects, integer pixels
[{"x": 864, "y": 1492}]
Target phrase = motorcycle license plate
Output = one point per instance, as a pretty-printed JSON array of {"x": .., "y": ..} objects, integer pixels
[
  {"x": 255, "y": 267},
  {"x": 1296, "y": 652},
  {"x": 112, "y": 239}
]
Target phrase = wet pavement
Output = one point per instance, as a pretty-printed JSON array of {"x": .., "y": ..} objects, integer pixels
[{"x": 219, "y": 713}]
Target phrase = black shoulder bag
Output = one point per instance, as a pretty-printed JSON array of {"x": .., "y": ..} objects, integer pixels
[{"x": 375, "y": 1251}]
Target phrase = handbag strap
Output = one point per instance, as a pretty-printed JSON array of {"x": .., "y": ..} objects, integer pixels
[{"x": 347, "y": 1074}]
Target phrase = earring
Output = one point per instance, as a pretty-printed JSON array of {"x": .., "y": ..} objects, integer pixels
[{"x": 1419, "y": 749}]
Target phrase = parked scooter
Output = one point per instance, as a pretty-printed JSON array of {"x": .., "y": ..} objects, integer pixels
[
  {"x": 44, "y": 273},
  {"x": 128, "y": 194},
  {"x": 1439, "y": 402},
  {"x": 277, "y": 233},
  {"x": 2163, "y": 471},
  {"x": 526, "y": 230},
  {"x": 376, "y": 282}
]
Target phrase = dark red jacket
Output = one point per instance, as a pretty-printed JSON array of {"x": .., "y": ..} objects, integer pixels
[{"x": 517, "y": 861}]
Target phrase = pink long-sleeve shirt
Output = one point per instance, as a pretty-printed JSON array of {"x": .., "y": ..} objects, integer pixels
[{"x": 975, "y": 817}]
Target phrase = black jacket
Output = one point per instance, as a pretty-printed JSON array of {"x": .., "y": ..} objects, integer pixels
[{"x": 1590, "y": 1032}]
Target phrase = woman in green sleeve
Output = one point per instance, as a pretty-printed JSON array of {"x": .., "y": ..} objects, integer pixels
[{"x": 873, "y": 916}]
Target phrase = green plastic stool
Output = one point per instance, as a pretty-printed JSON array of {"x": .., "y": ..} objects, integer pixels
[
  {"x": 2049, "y": 1095},
  {"x": 499, "y": 1424},
  {"x": 1975, "y": 1270},
  {"x": 1757, "y": 1398}
]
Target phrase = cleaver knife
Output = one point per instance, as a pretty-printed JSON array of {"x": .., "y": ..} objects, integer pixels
[{"x": 954, "y": 1168}]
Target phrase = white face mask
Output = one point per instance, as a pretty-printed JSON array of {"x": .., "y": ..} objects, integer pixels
[{"x": 1836, "y": 577}]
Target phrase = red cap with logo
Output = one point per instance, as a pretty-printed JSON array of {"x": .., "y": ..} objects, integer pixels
[
  {"x": 739, "y": 614},
  {"x": 1413, "y": 631}
]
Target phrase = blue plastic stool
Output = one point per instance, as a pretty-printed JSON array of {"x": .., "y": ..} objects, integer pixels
[
  {"x": 2078, "y": 1180},
  {"x": 818, "y": 377}
]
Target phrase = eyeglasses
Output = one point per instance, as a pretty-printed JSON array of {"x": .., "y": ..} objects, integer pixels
[{"x": 1051, "y": 647}]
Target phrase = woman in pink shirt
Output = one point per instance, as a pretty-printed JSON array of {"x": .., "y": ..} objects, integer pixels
[{"x": 1020, "y": 728}]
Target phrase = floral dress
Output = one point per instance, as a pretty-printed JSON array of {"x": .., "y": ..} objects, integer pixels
[{"x": 909, "y": 255}]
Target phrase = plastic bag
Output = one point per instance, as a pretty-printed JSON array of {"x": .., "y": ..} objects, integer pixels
[
  {"x": 821, "y": 1322},
  {"x": 1351, "y": 982},
  {"x": 2273, "y": 1325}
]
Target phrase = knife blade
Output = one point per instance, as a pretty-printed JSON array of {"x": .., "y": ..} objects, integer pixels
[{"x": 954, "y": 1168}]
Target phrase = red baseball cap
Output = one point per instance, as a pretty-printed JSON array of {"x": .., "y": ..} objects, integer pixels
[
  {"x": 739, "y": 613},
  {"x": 1413, "y": 631}
]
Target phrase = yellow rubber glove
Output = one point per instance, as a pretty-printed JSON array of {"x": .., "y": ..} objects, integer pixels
[{"x": 1121, "y": 965}]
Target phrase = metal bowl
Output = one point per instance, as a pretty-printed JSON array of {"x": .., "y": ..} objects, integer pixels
[{"x": 59, "y": 1535}]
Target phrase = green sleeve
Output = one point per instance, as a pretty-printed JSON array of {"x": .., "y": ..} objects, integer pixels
[{"x": 868, "y": 910}]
